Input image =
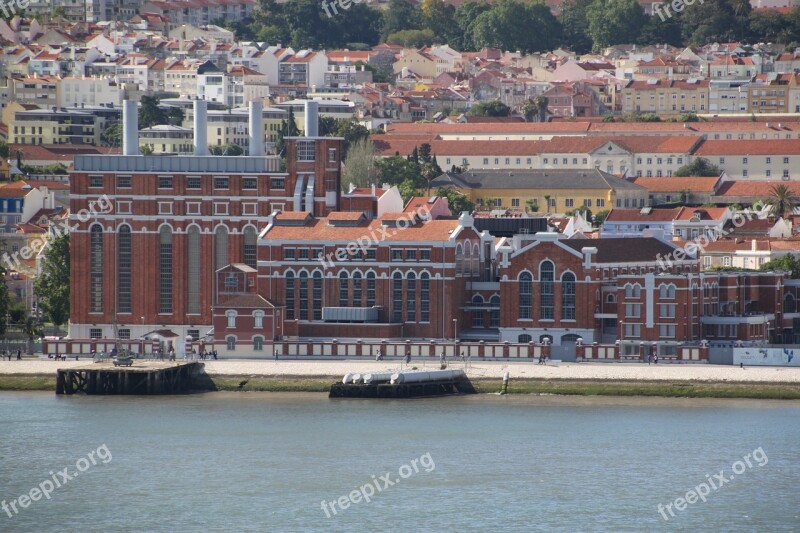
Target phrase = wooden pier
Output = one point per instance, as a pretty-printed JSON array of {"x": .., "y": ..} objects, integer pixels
[
  {"x": 402, "y": 390},
  {"x": 143, "y": 377}
]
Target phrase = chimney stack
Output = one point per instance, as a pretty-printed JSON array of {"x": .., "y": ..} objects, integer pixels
[
  {"x": 312, "y": 118},
  {"x": 200, "y": 128},
  {"x": 130, "y": 128},
  {"x": 256, "y": 128}
]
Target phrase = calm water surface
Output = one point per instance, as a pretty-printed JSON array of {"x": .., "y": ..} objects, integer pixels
[{"x": 265, "y": 462}]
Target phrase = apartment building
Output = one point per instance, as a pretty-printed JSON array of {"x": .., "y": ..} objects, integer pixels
[{"x": 666, "y": 97}]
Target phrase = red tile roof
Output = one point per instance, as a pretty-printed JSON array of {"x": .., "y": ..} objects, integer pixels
[
  {"x": 676, "y": 184},
  {"x": 755, "y": 188},
  {"x": 750, "y": 147}
]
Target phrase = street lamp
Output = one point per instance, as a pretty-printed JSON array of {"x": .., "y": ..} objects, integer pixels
[{"x": 455, "y": 330}]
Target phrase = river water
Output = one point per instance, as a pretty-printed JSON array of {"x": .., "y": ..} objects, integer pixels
[{"x": 266, "y": 462}]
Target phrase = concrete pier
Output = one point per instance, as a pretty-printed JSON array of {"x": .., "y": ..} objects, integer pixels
[{"x": 144, "y": 377}]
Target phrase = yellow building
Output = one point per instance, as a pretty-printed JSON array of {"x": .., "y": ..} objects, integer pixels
[
  {"x": 562, "y": 190},
  {"x": 666, "y": 97},
  {"x": 52, "y": 125},
  {"x": 164, "y": 139}
]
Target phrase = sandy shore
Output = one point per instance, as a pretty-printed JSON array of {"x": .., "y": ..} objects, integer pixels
[{"x": 700, "y": 373}]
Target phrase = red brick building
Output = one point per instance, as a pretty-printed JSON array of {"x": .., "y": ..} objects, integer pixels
[{"x": 150, "y": 262}]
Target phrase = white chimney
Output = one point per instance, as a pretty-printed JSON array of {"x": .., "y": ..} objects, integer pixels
[
  {"x": 130, "y": 128},
  {"x": 256, "y": 128},
  {"x": 200, "y": 128},
  {"x": 312, "y": 118}
]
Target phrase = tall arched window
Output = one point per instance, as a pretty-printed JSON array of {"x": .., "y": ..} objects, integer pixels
[
  {"x": 468, "y": 259},
  {"x": 317, "y": 295},
  {"x": 303, "y": 295},
  {"x": 494, "y": 314},
  {"x": 459, "y": 259},
  {"x": 124, "y": 269},
  {"x": 221, "y": 247},
  {"x": 546, "y": 294},
  {"x": 370, "y": 289},
  {"x": 193, "y": 270},
  {"x": 289, "y": 300},
  {"x": 258, "y": 319},
  {"x": 249, "y": 249},
  {"x": 424, "y": 297},
  {"x": 96, "y": 268},
  {"x": 525, "y": 296},
  {"x": 165, "y": 270},
  {"x": 357, "y": 289},
  {"x": 258, "y": 343},
  {"x": 343, "y": 289},
  {"x": 568, "y": 296},
  {"x": 411, "y": 300},
  {"x": 397, "y": 297},
  {"x": 789, "y": 303},
  {"x": 477, "y": 312},
  {"x": 476, "y": 260}
]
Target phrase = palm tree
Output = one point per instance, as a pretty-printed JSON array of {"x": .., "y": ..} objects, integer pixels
[{"x": 782, "y": 200}]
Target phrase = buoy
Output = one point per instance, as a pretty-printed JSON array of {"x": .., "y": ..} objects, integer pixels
[{"x": 505, "y": 384}]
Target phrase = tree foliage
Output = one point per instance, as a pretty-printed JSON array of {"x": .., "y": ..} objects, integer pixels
[
  {"x": 495, "y": 108},
  {"x": 360, "y": 168},
  {"x": 782, "y": 200},
  {"x": 150, "y": 114},
  {"x": 508, "y": 25},
  {"x": 699, "y": 167},
  {"x": 457, "y": 201},
  {"x": 787, "y": 262},
  {"x": 614, "y": 22},
  {"x": 52, "y": 285}
]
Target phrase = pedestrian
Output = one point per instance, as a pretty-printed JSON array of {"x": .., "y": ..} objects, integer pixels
[
  {"x": 408, "y": 356},
  {"x": 442, "y": 361},
  {"x": 649, "y": 360},
  {"x": 655, "y": 359},
  {"x": 215, "y": 354},
  {"x": 19, "y": 355},
  {"x": 379, "y": 356}
]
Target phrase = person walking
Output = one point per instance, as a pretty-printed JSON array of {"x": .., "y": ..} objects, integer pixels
[
  {"x": 408, "y": 356},
  {"x": 19, "y": 355}
]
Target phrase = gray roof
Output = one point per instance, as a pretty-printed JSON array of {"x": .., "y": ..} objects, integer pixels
[{"x": 535, "y": 179}]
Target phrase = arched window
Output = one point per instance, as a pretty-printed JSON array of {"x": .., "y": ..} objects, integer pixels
[
  {"x": 289, "y": 295},
  {"x": 666, "y": 291},
  {"x": 424, "y": 297},
  {"x": 317, "y": 295},
  {"x": 568, "y": 296},
  {"x": 165, "y": 270},
  {"x": 258, "y": 319},
  {"x": 370, "y": 289},
  {"x": 547, "y": 295},
  {"x": 96, "y": 268},
  {"x": 124, "y": 269},
  {"x": 525, "y": 295},
  {"x": 411, "y": 300},
  {"x": 477, "y": 311},
  {"x": 249, "y": 249},
  {"x": 231, "y": 341},
  {"x": 344, "y": 292},
  {"x": 467, "y": 259},
  {"x": 633, "y": 291},
  {"x": 231, "y": 318},
  {"x": 459, "y": 259},
  {"x": 611, "y": 298},
  {"x": 397, "y": 297},
  {"x": 258, "y": 343},
  {"x": 476, "y": 260},
  {"x": 193, "y": 270},
  {"x": 494, "y": 314},
  {"x": 357, "y": 289},
  {"x": 303, "y": 295},
  {"x": 221, "y": 247},
  {"x": 524, "y": 338},
  {"x": 789, "y": 303}
]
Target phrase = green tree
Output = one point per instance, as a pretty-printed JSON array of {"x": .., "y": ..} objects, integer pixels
[
  {"x": 532, "y": 206},
  {"x": 150, "y": 114},
  {"x": 575, "y": 25},
  {"x": 32, "y": 330},
  {"x": 112, "y": 135},
  {"x": 718, "y": 21},
  {"x": 465, "y": 16},
  {"x": 614, "y": 22},
  {"x": 52, "y": 285},
  {"x": 437, "y": 16},
  {"x": 600, "y": 217},
  {"x": 359, "y": 165},
  {"x": 411, "y": 38},
  {"x": 495, "y": 108},
  {"x": 457, "y": 201},
  {"x": 349, "y": 129},
  {"x": 176, "y": 116},
  {"x": 507, "y": 26},
  {"x": 4, "y": 150},
  {"x": 782, "y": 200},
  {"x": 787, "y": 262},
  {"x": 699, "y": 167},
  {"x": 146, "y": 149},
  {"x": 396, "y": 170},
  {"x": 229, "y": 149}
]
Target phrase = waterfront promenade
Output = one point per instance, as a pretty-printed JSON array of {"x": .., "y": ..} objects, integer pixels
[{"x": 335, "y": 369}]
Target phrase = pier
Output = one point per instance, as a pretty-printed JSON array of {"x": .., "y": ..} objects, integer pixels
[{"x": 144, "y": 377}]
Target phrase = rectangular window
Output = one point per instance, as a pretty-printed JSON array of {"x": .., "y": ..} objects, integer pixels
[
  {"x": 425, "y": 255},
  {"x": 95, "y": 181},
  {"x": 515, "y": 202},
  {"x": 95, "y": 333},
  {"x": 397, "y": 299},
  {"x": 124, "y": 182},
  {"x": 587, "y": 202},
  {"x": 305, "y": 150},
  {"x": 371, "y": 253},
  {"x": 397, "y": 254},
  {"x": 633, "y": 310},
  {"x": 331, "y": 155},
  {"x": 569, "y": 202},
  {"x": 666, "y": 331},
  {"x": 666, "y": 310},
  {"x": 288, "y": 253},
  {"x": 633, "y": 330},
  {"x": 303, "y": 253},
  {"x": 221, "y": 183},
  {"x": 411, "y": 255},
  {"x": 124, "y": 333},
  {"x": 601, "y": 202},
  {"x": 249, "y": 184},
  {"x": 277, "y": 184},
  {"x": 165, "y": 182},
  {"x": 193, "y": 182}
]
